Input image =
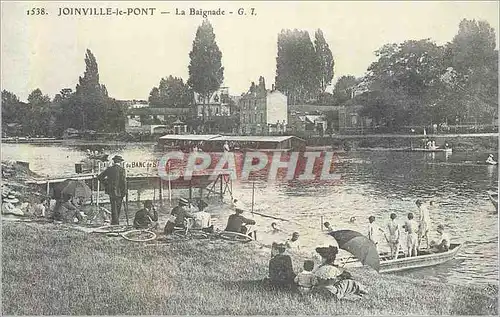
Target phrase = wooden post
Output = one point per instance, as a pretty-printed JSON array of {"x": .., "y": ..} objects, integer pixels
[
  {"x": 48, "y": 188},
  {"x": 169, "y": 185},
  {"x": 190, "y": 190},
  {"x": 221, "y": 180},
  {"x": 322, "y": 223},
  {"x": 160, "y": 190},
  {"x": 253, "y": 194}
]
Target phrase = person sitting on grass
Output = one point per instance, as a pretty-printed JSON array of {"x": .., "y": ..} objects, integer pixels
[
  {"x": 443, "y": 242},
  {"x": 237, "y": 223},
  {"x": 305, "y": 280},
  {"x": 281, "y": 269},
  {"x": 40, "y": 209},
  {"x": 66, "y": 211},
  {"x": 182, "y": 216},
  {"x": 147, "y": 217},
  {"x": 202, "y": 219},
  {"x": 334, "y": 281}
]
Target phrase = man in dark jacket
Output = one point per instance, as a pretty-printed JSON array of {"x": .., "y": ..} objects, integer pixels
[
  {"x": 236, "y": 222},
  {"x": 147, "y": 217},
  {"x": 116, "y": 187}
]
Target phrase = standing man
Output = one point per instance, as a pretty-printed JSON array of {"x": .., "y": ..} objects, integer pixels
[
  {"x": 116, "y": 187},
  {"x": 373, "y": 230},
  {"x": 424, "y": 222},
  {"x": 394, "y": 236}
]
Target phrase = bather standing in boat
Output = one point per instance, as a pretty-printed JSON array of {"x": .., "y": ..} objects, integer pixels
[
  {"x": 424, "y": 222},
  {"x": 412, "y": 236},
  {"x": 373, "y": 230},
  {"x": 394, "y": 236}
]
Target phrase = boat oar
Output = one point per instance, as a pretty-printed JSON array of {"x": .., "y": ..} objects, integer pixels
[{"x": 267, "y": 216}]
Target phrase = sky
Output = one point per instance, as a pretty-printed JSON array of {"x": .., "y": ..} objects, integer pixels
[{"x": 135, "y": 52}]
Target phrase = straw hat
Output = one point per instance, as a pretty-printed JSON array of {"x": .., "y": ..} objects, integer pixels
[
  {"x": 118, "y": 158},
  {"x": 183, "y": 202}
]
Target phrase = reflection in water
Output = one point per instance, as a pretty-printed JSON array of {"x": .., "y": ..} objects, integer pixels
[{"x": 373, "y": 183}]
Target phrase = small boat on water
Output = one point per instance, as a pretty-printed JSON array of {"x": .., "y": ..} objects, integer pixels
[
  {"x": 402, "y": 263},
  {"x": 424, "y": 259},
  {"x": 432, "y": 150}
]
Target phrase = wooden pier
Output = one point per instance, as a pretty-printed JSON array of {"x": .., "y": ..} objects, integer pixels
[{"x": 219, "y": 186}]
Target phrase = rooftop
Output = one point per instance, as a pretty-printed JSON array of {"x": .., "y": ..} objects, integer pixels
[{"x": 158, "y": 111}]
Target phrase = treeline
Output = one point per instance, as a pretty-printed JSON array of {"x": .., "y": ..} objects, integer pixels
[
  {"x": 87, "y": 108},
  {"x": 418, "y": 82}
]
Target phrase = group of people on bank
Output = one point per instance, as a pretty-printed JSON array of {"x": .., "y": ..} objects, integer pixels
[{"x": 411, "y": 234}]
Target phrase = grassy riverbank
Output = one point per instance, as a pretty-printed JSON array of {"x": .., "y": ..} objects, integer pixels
[{"x": 50, "y": 269}]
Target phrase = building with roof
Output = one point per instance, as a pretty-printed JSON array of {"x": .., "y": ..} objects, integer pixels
[
  {"x": 158, "y": 120},
  {"x": 263, "y": 112}
]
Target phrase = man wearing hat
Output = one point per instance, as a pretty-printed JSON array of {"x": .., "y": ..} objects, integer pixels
[
  {"x": 236, "y": 222},
  {"x": 116, "y": 187},
  {"x": 181, "y": 213},
  {"x": 8, "y": 205}
]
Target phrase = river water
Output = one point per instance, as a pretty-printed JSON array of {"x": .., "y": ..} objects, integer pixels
[{"x": 373, "y": 183}]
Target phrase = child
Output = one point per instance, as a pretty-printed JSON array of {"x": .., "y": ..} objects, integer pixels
[
  {"x": 305, "y": 280},
  {"x": 412, "y": 235}
]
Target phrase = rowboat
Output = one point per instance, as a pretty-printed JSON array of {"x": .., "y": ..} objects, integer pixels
[
  {"x": 494, "y": 199},
  {"x": 424, "y": 259},
  {"x": 402, "y": 263}
]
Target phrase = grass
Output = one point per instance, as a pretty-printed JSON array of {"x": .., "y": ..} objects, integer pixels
[{"x": 50, "y": 269}]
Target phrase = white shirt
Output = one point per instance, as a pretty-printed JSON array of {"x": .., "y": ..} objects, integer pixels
[
  {"x": 293, "y": 246},
  {"x": 444, "y": 236},
  {"x": 424, "y": 214},
  {"x": 201, "y": 220},
  {"x": 373, "y": 234}
]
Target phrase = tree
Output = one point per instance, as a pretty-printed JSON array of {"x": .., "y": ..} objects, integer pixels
[
  {"x": 206, "y": 73},
  {"x": 474, "y": 63},
  {"x": 325, "y": 60},
  {"x": 344, "y": 88},
  {"x": 407, "y": 76},
  {"x": 89, "y": 107},
  {"x": 38, "y": 120},
  {"x": 297, "y": 67},
  {"x": 171, "y": 93},
  {"x": 13, "y": 110}
]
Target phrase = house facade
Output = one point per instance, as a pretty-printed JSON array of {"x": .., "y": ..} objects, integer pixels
[
  {"x": 218, "y": 105},
  {"x": 263, "y": 112}
]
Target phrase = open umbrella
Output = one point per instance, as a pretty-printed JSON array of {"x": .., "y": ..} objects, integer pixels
[
  {"x": 77, "y": 188},
  {"x": 359, "y": 246}
]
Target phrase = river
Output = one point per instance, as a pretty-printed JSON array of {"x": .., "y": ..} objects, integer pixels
[{"x": 373, "y": 183}]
